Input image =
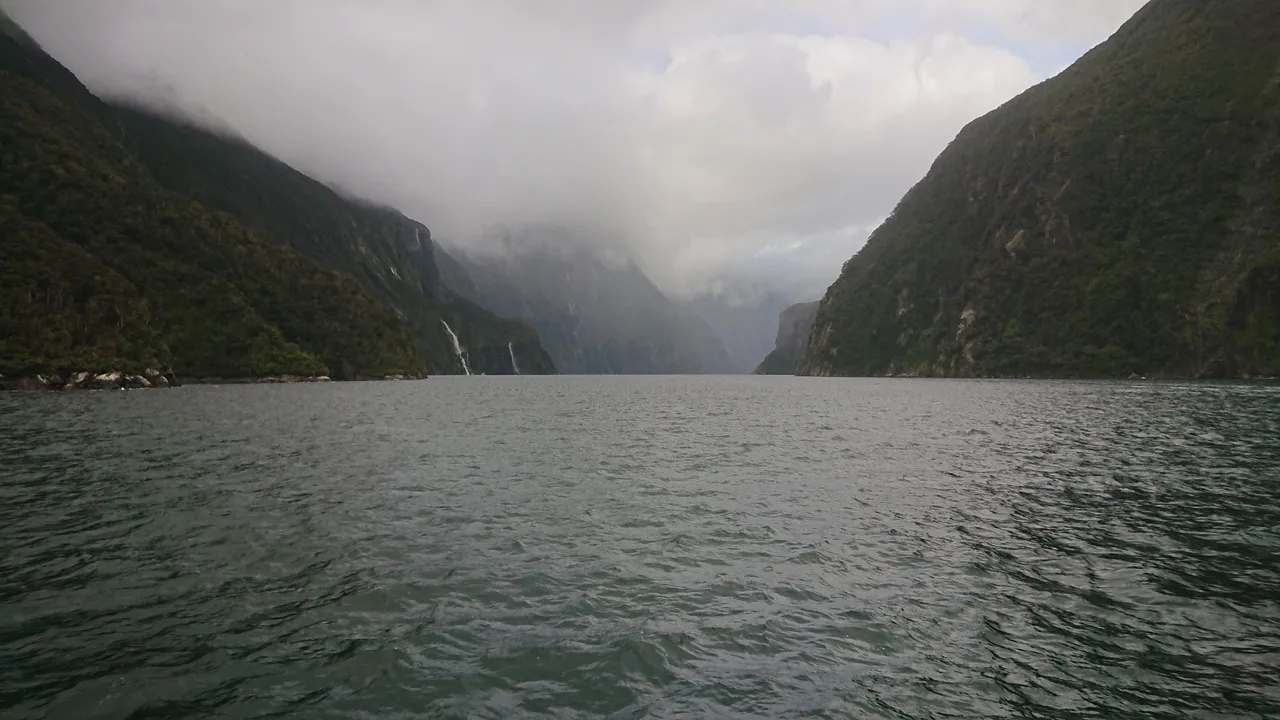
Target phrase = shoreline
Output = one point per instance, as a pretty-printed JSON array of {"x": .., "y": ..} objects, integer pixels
[
  {"x": 295, "y": 380},
  {"x": 151, "y": 379}
]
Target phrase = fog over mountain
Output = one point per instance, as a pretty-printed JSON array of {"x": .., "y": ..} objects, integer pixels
[{"x": 706, "y": 140}]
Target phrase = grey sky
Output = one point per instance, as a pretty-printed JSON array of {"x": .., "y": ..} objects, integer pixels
[{"x": 703, "y": 137}]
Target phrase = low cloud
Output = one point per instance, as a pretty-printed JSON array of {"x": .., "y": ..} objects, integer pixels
[{"x": 701, "y": 138}]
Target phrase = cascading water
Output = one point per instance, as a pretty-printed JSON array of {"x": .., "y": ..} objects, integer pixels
[
  {"x": 457, "y": 349},
  {"x": 514, "y": 367}
]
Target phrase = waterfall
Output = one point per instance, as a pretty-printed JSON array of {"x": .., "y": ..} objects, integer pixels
[
  {"x": 512, "y": 352},
  {"x": 457, "y": 349}
]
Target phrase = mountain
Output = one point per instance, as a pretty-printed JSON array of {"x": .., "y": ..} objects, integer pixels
[
  {"x": 593, "y": 317},
  {"x": 743, "y": 318},
  {"x": 104, "y": 269},
  {"x": 1119, "y": 218},
  {"x": 133, "y": 239},
  {"x": 794, "y": 326},
  {"x": 392, "y": 256}
]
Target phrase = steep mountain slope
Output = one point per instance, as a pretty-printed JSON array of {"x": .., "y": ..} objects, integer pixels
[
  {"x": 1119, "y": 218},
  {"x": 794, "y": 326},
  {"x": 392, "y": 256},
  {"x": 104, "y": 269},
  {"x": 593, "y": 318},
  {"x": 745, "y": 322}
]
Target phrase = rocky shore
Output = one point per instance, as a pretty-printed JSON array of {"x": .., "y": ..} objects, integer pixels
[
  {"x": 151, "y": 378},
  {"x": 268, "y": 380},
  {"x": 115, "y": 380},
  {"x": 289, "y": 379}
]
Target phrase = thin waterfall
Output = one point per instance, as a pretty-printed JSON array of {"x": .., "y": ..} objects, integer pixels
[
  {"x": 512, "y": 352},
  {"x": 457, "y": 349}
]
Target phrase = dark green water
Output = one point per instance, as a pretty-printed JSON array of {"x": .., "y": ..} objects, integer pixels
[{"x": 642, "y": 547}]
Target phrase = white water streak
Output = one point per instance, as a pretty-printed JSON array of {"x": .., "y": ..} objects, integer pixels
[
  {"x": 514, "y": 366},
  {"x": 457, "y": 349}
]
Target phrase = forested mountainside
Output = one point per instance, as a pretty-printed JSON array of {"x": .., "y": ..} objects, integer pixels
[
  {"x": 593, "y": 317},
  {"x": 105, "y": 269},
  {"x": 392, "y": 256},
  {"x": 794, "y": 326},
  {"x": 227, "y": 262},
  {"x": 1119, "y": 218}
]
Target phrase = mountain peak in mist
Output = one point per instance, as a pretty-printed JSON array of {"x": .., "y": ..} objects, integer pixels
[{"x": 594, "y": 315}]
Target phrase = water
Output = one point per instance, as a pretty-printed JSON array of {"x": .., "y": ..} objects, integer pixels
[
  {"x": 515, "y": 369},
  {"x": 457, "y": 349},
  {"x": 642, "y": 547}
]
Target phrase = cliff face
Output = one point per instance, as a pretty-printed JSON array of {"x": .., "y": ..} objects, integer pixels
[
  {"x": 1119, "y": 218},
  {"x": 393, "y": 257},
  {"x": 744, "y": 317},
  {"x": 593, "y": 317},
  {"x": 794, "y": 326}
]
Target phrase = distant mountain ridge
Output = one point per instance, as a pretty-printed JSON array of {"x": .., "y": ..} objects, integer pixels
[
  {"x": 593, "y": 317},
  {"x": 745, "y": 322},
  {"x": 1122, "y": 217}
]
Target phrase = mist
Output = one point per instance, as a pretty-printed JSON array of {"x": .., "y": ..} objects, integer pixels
[{"x": 706, "y": 140}]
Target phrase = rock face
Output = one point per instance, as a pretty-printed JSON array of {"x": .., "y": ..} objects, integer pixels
[
  {"x": 1122, "y": 217},
  {"x": 744, "y": 316},
  {"x": 291, "y": 379},
  {"x": 794, "y": 326},
  {"x": 113, "y": 380},
  {"x": 593, "y": 317},
  {"x": 495, "y": 359}
]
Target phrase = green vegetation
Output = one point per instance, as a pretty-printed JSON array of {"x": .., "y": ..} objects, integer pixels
[
  {"x": 390, "y": 255},
  {"x": 1120, "y": 218},
  {"x": 62, "y": 309},
  {"x": 105, "y": 269},
  {"x": 131, "y": 240}
]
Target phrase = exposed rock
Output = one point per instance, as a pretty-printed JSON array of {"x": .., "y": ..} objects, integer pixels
[
  {"x": 113, "y": 380},
  {"x": 1017, "y": 244},
  {"x": 904, "y": 305},
  {"x": 291, "y": 379},
  {"x": 161, "y": 379},
  {"x": 966, "y": 319},
  {"x": 136, "y": 382},
  {"x": 30, "y": 382},
  {"x": 107, "y": 381}
]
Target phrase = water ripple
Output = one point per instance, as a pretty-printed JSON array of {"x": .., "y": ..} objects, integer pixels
[{"x": 643, "y": 547}]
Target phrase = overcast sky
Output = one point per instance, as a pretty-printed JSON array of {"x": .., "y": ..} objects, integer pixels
[{"x": 702, "y": 137}]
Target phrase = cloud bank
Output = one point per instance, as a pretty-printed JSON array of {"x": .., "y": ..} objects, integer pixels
[{"x": 702, "y": 138}]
